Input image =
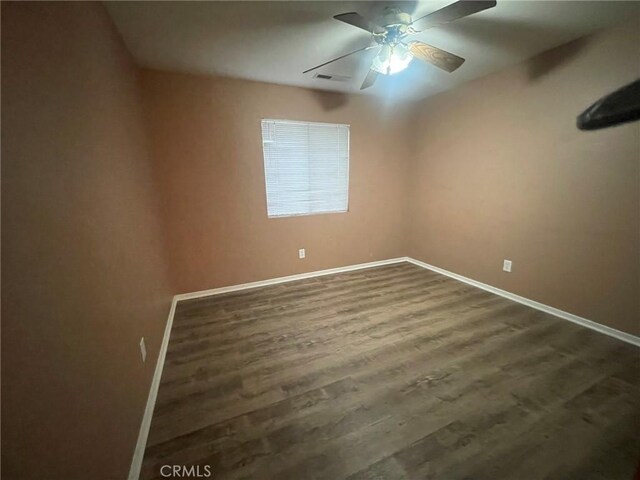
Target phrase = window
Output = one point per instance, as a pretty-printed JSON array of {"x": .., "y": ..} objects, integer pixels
[{"x": 306, "y": 167}]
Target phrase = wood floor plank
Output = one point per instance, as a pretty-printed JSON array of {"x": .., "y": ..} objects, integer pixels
[
  {"x": 295, "y": 378},
  {"x": 392, "y": 372}
]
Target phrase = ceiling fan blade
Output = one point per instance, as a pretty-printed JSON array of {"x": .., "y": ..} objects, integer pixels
[
  {"x": 370, "y": 79},
  {"x": 339, "y": 58},
  {"x": 357, "y": 20},
  {"x": 441, "y": 59},
  {"x": 455, "y": 11}
]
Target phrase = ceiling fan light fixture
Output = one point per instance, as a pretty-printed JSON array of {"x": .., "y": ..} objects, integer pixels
[
  {"x": 389, "y": 34},
  {"x": 392, "y": 59}
]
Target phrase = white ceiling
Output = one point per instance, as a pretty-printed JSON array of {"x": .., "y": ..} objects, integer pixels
[{"x": 274, "y": 41}]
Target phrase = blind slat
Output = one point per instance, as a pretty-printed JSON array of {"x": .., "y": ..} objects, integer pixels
[{"x": 306, "y": 167}]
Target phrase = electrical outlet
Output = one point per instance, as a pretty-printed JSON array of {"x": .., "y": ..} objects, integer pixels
[
  {"x": 143, "y": 350},
  {"x": 301, "y": 253},
  {"x": 506, "y": 266}
]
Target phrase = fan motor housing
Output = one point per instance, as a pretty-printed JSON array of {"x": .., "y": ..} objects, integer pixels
[
  {"x": 395, "y": 23},
  {"x": 394, "y": 16}
]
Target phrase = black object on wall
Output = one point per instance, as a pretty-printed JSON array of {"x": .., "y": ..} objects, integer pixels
[{"x": 621, "y": 106}]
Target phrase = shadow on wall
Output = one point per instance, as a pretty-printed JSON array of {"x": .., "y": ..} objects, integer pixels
[
  {"x": 541, "y": 65},
  {"x": 330, "y": 100}
]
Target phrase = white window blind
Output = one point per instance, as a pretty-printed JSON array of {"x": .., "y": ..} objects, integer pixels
[{"x": 306, "y": 167}]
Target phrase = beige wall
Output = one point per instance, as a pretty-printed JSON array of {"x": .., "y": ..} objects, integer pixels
[
  {"x": 501, "y": 172},
  {"x": 208, "y": 159},
  {"x": 83, "y": 275}
]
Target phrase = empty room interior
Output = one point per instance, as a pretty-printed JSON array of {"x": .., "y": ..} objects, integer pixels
[{"x": 321, "y": 240}]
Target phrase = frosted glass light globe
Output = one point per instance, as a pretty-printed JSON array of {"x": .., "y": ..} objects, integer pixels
[{"x": 392, "y": 60}]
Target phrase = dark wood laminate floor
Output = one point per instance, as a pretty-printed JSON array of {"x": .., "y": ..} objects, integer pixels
[{"x": 390, "y": 373}]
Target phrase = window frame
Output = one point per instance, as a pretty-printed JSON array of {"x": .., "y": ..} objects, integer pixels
[{"x": 348, "y": 166}]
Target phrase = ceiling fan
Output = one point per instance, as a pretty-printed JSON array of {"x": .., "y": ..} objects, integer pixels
[{"x": 389, "y": 37}]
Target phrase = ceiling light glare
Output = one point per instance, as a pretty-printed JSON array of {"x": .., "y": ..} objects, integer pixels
[{"x": 392, "y": 60}]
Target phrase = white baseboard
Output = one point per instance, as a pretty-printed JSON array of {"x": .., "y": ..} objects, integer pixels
[
  {"x": 138, "y": 454},
  {"x": 290, "y": 278},
  {"x": 598, "y": 327}
]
